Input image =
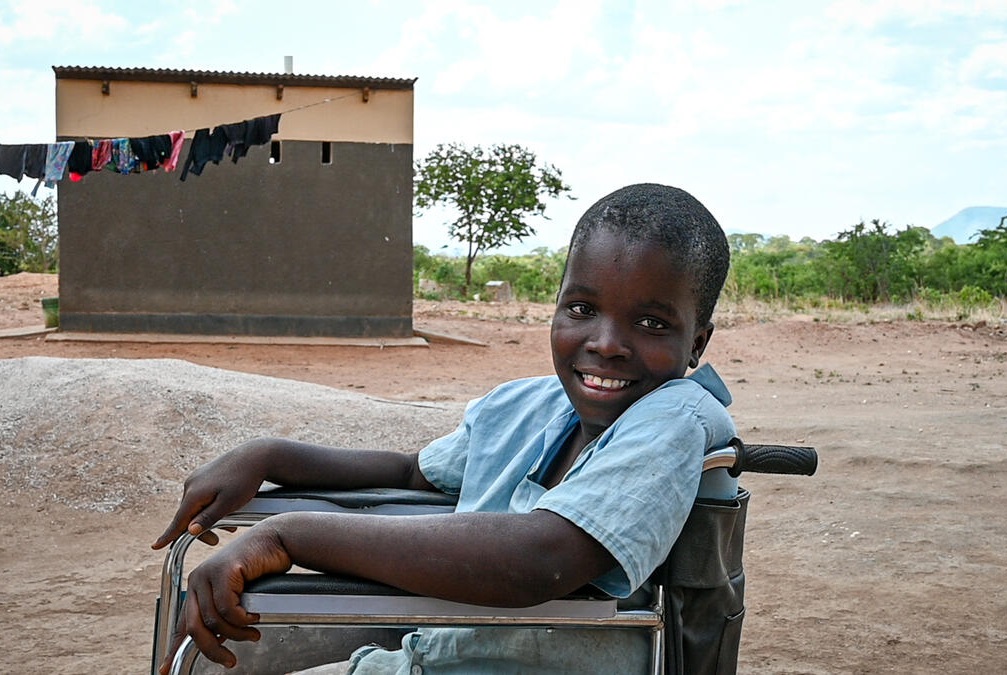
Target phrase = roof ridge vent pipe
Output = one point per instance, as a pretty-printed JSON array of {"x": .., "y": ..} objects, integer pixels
[{"x": 288, "y": 65}]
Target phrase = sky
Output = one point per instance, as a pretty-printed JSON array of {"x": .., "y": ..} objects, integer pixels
[{"x": 797, "y": 118}]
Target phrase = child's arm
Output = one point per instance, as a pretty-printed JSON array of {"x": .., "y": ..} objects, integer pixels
[
  {"x": 228, "y": 482},
  {"x": 494, "y": 559}
]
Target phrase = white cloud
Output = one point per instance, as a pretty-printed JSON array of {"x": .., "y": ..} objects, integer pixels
[
  {"x": 30, "y": 116},
  {"x": 473, "y": 46},
  {"x": 210, "y": 12},
  {"x": 872, "y": 13},
  {"x": 59, "y": 19},
  {"x": 986, "y": 62}
]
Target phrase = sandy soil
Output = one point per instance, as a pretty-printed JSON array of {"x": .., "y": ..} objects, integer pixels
[{"x": 892, "y": 559}]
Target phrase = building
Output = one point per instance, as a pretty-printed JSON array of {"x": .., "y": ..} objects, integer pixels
[{"x": 308, "y": 235}]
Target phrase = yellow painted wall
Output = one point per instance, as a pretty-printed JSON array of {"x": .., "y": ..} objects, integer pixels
[{"x": 144, "y": 108}]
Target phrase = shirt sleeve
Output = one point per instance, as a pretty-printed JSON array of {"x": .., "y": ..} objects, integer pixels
[
  {"x": 443, "y": 461},
  {"x": 633, "y": 490}
]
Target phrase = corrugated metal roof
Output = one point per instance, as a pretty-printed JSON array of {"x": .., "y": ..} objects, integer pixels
[{"x": 227, "y": 77}]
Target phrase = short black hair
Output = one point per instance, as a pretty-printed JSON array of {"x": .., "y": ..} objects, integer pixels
[{"x": 673, "y": 219}]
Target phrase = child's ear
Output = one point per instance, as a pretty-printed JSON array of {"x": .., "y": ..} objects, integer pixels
[{"x": 699, "y": 342}]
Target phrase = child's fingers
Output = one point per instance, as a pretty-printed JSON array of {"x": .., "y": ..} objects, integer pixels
[
  {"x": 172, "y": 532},
  {"x": 209, "y": 538},
  {"x": 208, "y": 636},
  {"x": 190, "y": 511},
  {"x": 177, "y": 637},
  {"x": 197, "y": 520}
]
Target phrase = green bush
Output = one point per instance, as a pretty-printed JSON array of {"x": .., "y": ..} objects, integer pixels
[
  {"x": 973, "y": 297},
  {"x": 534, "y": 277},
  {"x": 29, "y": 238},
  {"x": 930, "y": 296},
  {"x": 864, "y": 266}
]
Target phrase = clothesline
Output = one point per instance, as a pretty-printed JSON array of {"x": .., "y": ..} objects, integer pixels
[
  {"x": 323, "y": 101},
  {"x": 51, "y": 162}
]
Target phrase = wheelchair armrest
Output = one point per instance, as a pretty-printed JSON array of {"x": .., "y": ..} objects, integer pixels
[
  {"x": 323, "y": 598},
  {"x": 317, "y": 599},
  {"x": 297, "y": 583},
  {"x": 294, "y": 583},
  {"x": 382, "y": 501}
]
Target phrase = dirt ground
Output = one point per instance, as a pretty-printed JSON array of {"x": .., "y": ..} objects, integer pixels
[{"x": 893, "y": 558}]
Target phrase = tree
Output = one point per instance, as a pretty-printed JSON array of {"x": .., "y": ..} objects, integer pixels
[
  {"x": 991, "y": 253},
  {"x": 868, "y": 264},
  {"x": 28, "y": 235},
  {"x": 745, "y": 243},
  {"x": 493, "y": 190}
]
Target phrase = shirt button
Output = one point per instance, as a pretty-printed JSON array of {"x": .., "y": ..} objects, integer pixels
[{"x": 416, "y": 670}]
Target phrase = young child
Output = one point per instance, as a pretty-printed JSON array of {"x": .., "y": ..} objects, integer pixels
[{"x": 582, "y": 477}]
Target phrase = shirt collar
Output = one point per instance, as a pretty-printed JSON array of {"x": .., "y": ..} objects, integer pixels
[{"x": 706, "y": 377}]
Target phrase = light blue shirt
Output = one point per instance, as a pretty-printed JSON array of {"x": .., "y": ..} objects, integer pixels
[{"x": 631, "y": 489}]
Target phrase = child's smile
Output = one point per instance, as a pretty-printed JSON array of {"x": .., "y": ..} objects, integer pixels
[
  {"x": 625, "y": 324},
  {"x": 604, "y": 383}
]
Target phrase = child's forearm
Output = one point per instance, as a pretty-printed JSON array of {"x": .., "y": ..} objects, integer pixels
[
  {"x": 492, "y": 559},
  {"x": 299, "y": 464},
  {"x": 228, "y": 482}
]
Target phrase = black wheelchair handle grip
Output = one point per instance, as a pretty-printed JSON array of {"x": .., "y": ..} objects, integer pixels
[{"x": 775, "y": 459}]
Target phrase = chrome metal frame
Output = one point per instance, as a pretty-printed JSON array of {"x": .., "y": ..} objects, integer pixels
[{"x": 383, "y": 611}]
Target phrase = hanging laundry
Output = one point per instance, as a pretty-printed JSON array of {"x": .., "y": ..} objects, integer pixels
[
  {"x": 49, "y": 162},
  {"x": 34, "y": 160},
  {"x": 24, "y": 161},
  {"x": 123, "y": 159},
  {"x": 54, "y": 165},
  {"x": 55, "y": 161},
  {"x": 205, "y": 147},
  {"x": 242, "y": 135},
  {"x": 150, "y": 151},
  {"x": 260, "y": 130},
  {"x": 235, "y": 134},
  {"x": 12, "y": 160},
  {"x": 177, "y": 139},
  {"x": 80, "y": 160},
  {"x": 101, "y": 155}
]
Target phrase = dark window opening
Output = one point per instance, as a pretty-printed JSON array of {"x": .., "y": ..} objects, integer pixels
[
  {"x": 274, "y": 152},
  {"x": 326, "y": 152}
]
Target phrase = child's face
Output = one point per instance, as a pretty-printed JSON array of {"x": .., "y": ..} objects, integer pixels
[{"x": 625, "y": 324}]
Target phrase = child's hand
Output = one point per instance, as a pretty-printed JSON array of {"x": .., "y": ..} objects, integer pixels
[
  {"x": 211, "y": 613},
  {"x": 211, "y": 492}
]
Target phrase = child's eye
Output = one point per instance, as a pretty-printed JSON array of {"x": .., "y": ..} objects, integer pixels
[
  {"x": 579, "y": 309},
  {"x": 652, "y": 323}
]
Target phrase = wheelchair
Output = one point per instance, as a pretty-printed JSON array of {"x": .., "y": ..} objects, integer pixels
[{"x": 692, "y": 607}]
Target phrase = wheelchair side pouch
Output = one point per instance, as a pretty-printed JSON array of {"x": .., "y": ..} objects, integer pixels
[{"x": 704, "y": 583}]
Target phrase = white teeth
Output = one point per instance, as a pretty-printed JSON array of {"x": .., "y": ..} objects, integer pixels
[{"x": 604, "y": 383}]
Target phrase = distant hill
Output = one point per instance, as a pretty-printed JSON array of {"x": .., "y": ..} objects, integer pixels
[{"x": 967, "y": 222}]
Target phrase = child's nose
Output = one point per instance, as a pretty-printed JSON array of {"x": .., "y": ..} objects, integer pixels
[{"x": 609, "y": 341}]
